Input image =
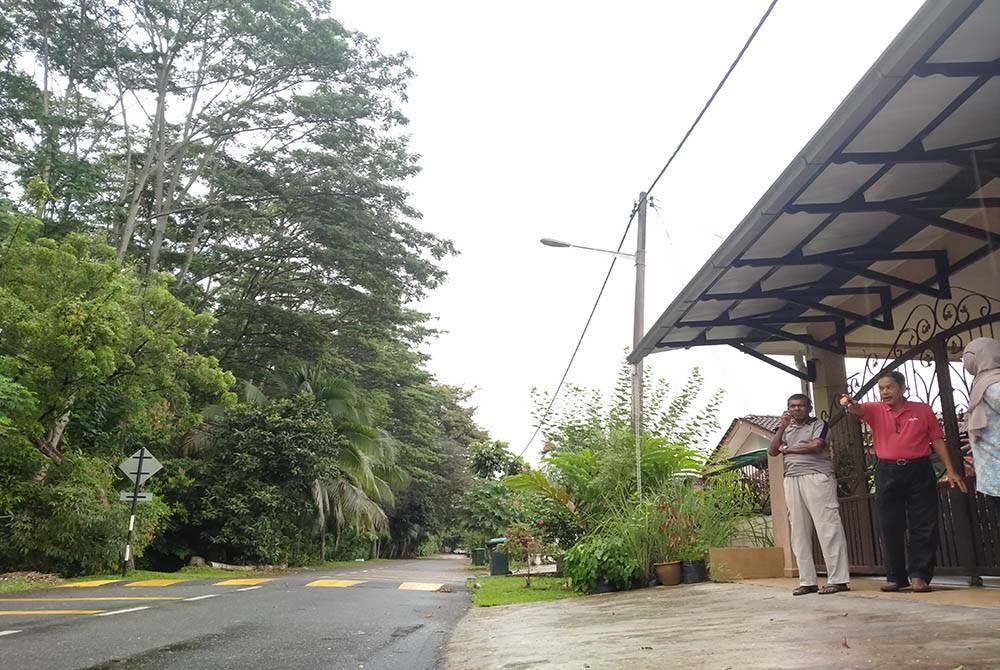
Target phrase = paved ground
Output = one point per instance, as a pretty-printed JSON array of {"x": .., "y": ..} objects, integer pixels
[
  {"x": 386, "y": 615},
  {"x": 742, "y": 626}
]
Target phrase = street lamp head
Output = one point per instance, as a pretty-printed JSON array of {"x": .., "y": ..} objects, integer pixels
[{"x": 554, "y": 243}]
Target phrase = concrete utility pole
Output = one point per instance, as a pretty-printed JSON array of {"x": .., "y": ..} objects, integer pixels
[{"x": 637, "y": 333}]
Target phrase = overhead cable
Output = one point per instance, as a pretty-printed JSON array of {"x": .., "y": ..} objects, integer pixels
[{"x": 635, "y": 210}]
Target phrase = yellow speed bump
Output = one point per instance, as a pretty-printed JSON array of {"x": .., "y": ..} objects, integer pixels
[
  {"x": 419, "y": 586},
  {"x": 86, "y": 599},
  {"x": 157, "y": 582},
  {"x": 335, "y": 583},
  {"x": 24, "y": 612},
  {"x": 86, "y": 585},
  {"x": 243, "y": 582}
]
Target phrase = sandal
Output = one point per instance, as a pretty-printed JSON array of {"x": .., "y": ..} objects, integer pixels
[
  {"x": 833, "y": 588},
  {"x": 892, "y": 587},
  {"x": 802, "y": 590},
  {"x": 920, "y": 586}
]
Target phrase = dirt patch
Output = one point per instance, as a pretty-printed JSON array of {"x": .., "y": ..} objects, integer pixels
[{"x": 33, "y": 577}]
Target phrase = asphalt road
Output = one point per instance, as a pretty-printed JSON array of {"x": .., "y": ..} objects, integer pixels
[{"x": 380, "y": 615}]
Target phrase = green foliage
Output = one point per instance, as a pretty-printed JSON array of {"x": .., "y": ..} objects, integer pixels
[
  {"x": 99, "y": 351},
  {"x": 584, "y": 419},
  {"x": 486, "y": 510},
  {"x": 490, "y": 460},
  {"x": 222, "y": 268},
  {"x": 16, "y": 405},
  {"x": 71, "y": 522},
  {"x": 256, "y": 491},
  {"x": 601, "y": 558}
]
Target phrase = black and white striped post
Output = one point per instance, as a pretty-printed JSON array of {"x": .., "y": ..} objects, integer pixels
[{"x": 131, "y": 516}]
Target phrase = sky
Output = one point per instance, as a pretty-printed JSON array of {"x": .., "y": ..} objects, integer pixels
[{"x": 546, "y": 119}]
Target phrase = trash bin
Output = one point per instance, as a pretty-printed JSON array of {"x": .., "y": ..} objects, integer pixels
[
  {"x": 499, "y": 563},
  {"x": 479, "y": 556}
]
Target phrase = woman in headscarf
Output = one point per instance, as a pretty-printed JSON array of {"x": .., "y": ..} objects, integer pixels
[{"x": 982, "y": 360}]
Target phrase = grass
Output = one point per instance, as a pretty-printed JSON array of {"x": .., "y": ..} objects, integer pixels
[
  {"x": 184, "y": 573},
  {"x": 12, "y": 584},
  {"x": 513, "y": 590},
  {"x": 206, "y": 572}
]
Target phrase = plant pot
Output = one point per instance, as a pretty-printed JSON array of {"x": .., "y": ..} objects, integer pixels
[
  {"x": 693, "y": 572},
  {"x": 603, "y": 586},
  {"x": 669, "y": 574}
]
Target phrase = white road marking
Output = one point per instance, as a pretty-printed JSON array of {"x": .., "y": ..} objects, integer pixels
[
  {"x": 8, "y": 632},
  {"x": 204, "y": 597},
  {"x": 124, "y": 611},
  {"x": 249, "y": 588}
]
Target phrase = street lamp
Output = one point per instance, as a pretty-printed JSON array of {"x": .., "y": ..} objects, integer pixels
[
  {"x": 549, "y": 242},
  {"x": 637, "y": 321}
]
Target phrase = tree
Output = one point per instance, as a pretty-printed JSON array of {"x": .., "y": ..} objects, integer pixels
[
  {"x": 351, "y": 498},
  {"x": 590, "y": 469},
  {"x": 100, "y": 351},
  {"x": 256, "y": 492},
  {"x": 491, "y": 460}
]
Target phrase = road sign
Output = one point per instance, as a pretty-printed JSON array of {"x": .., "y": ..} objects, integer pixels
[
  {"x": 129, "y": 496},
  {"x": 140, "y": 466}
]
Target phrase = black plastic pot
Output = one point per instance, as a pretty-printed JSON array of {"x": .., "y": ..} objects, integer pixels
[{"x": 693, "y": 572}]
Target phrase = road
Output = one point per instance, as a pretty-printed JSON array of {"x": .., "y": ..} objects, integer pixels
[{"x": 374, "y": 616}]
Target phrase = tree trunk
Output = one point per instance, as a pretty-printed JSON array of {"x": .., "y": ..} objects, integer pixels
[{"x": 49, "y": 445}]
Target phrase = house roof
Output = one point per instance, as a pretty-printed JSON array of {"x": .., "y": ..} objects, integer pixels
[
  {"x": 896, "y": 199},
  {"x": 765, "y": 424}
]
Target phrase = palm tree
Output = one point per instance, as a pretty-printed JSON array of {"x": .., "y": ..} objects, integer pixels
[{"x": 354, "y": 498}]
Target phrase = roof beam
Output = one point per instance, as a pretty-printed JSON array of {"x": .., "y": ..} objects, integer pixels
[
  {"x": 811, "y": 299},
  {"x": 809, "y": 375},
  {"x": 987, "y": 236},
  {"x": 895, "y": 205},
  {"x": 857, "y": 262},
  {"x": 839, "y": 258},
  {"x": 838, "y": 347},
  {"x": 981, "y": 69},
  {"x": 772, "y": 326}
]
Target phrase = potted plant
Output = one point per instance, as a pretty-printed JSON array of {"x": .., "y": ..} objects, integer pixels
[
  {"x": 601, "y": 563},
  {"x": 666, "y": 532}
]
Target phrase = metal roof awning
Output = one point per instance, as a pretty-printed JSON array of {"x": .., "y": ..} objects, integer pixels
[{"x": 895, "y": 199}]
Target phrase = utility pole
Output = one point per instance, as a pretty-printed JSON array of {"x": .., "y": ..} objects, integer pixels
[{"x": 637, "y": 333}]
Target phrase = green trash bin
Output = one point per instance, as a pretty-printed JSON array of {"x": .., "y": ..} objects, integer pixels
[
  {"x": 499, "y": 561},
  {"x": 479, "y": 556}
]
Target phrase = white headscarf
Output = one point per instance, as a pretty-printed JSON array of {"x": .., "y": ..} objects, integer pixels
[{"x": 982, "y": 360}]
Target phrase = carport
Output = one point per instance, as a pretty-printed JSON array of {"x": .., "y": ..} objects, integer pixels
[{"x": 877, "y": 244}]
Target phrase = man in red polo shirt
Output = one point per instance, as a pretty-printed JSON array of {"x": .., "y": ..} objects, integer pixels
[{"x": 905, "y": 485}]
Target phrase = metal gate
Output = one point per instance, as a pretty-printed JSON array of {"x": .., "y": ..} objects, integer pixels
[{"x": 925, "y": 351}]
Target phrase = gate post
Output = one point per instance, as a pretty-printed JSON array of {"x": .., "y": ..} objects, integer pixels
[{"x": 961, "y": 518}]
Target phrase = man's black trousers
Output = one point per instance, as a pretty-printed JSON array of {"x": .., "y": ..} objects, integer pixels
[{"x": 906, "y": 500}]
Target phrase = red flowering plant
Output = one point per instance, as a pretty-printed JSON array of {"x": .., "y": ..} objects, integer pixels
[
  {"x": 671, "y": 529},
  {"x": 523, "y": 540}
]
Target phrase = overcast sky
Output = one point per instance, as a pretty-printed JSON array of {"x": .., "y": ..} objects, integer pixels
[{"x": 546, "y": 119}]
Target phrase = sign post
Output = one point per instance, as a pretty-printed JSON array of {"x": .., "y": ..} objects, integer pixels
[{"x": 138, "y": 467}]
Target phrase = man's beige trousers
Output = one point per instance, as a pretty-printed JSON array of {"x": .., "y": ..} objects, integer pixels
[{"x": 812, "y": 502}]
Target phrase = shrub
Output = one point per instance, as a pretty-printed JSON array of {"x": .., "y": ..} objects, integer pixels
[
  {"x": 70, "y": 521},
  {"x": 600, "y": 558}
]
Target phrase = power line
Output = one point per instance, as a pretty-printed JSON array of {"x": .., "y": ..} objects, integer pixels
[{"x": 635, "y": 210}]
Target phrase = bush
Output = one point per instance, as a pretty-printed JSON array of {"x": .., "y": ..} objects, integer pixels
[
  {"x": 70, "y": 521},
  {"x": 257, "y": 499},
  {"x": 600, "y": 558}
]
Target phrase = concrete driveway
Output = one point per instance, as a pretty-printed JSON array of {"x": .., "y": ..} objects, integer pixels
[{"x": 738, "y": 626}]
